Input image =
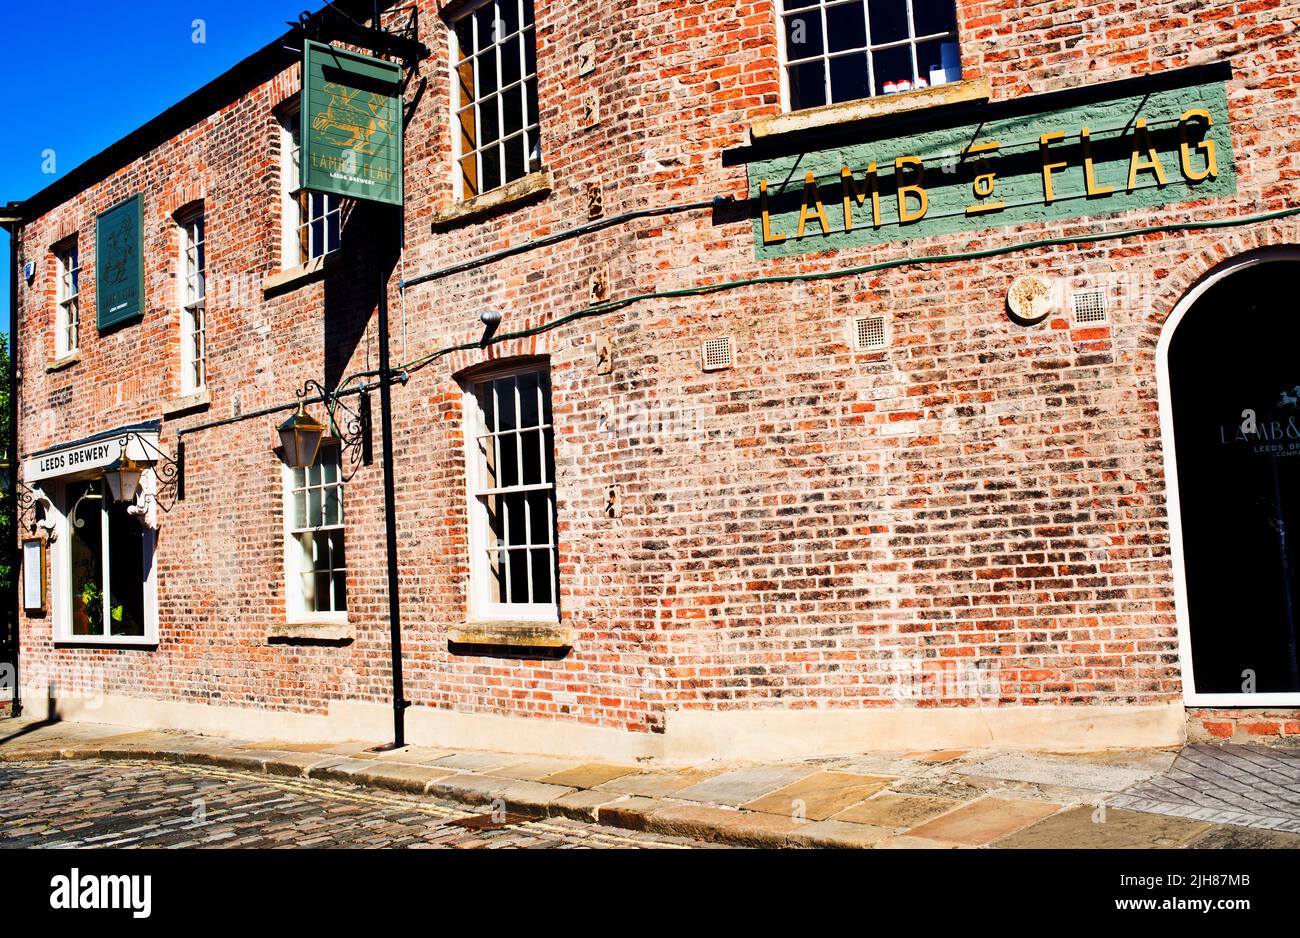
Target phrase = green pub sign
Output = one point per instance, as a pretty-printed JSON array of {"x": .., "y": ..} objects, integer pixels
[
  {"x": 351, "y": 124},
  {"x": 1136, "y": 151},
  {"x": 119, "y": 265}
]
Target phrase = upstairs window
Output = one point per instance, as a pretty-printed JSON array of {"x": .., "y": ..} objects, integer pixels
[
  {"x": 67, "y": 327},
  {"x": 494, "y": 48},
  {"x": 842, "y": 50},
  {"x": 312, "y": 221},
  {"x": 194, "y": 369}
]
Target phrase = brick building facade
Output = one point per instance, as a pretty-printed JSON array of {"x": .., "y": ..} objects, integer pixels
[{"x": 811, "y": 492}]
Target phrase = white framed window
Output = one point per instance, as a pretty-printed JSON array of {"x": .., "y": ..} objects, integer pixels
[
  {"x": 314, "y": 558},
  {"x": 104, "y": 581},
  {"x": 67, "y": 325},
  {"x": 842, "y": 50},
  {"x": 510, "y": 458},
  {"x": 494, "y": 72},
  {"x": 193, "y": 290},
  {"x": 311, "y": 222}
]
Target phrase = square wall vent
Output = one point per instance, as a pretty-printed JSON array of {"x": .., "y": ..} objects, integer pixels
[
  {"x": 715, "y": 353},
  {"x": 1090, "y": 307},
  {"x": 869, "y": 334}
]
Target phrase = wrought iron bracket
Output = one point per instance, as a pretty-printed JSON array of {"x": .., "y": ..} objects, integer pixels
[
  {"x": 168, "y": 473},
  {"x": 350, "y": 426}
]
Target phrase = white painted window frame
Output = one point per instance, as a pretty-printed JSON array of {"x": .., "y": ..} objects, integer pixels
[
  {"x": 481, "y": 607},
  {"x": 67, "y": 316},
  {"x": 192, "y": 227},
  {"x": 61, "y": 575},
  {"x": 1191, "y": 696},
  {"x": 295, "y": 607},
  {"x": 530, "y": 123},
  {"x": 912, "y": 41}
]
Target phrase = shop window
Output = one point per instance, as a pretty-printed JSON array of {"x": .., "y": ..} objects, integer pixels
[
  {"x": 497, "y": 137},
  {"x": 194, "y": 353},
  {"x": 67, "y": 330},
  {"x": 315, "y": 561},
  {"x": 107, "y": 548},
  {"x": 842, "y": 50},
  {"x": 511, "y": 463},
  {"x": 312, "y": 221}
]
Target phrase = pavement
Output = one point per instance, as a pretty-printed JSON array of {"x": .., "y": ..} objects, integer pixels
[{"x": 1200, "y": 796}]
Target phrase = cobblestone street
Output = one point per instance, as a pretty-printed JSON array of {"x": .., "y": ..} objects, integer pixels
[{"x": 117, "y": 804}]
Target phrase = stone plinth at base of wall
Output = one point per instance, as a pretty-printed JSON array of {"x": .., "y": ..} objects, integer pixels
[
  {"x": 1243, "y": 724},
  {"x": 689, "y": 736}
]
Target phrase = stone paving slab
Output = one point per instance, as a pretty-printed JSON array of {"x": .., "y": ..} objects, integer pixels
[
  {"x": 743, "y": 785},
  {"x": 662, "y": 784},
  {"x": 1089, "y": 828},
  {"x": 984, "y": 821},
  {"x": 820, "y": 795},
  {"x": 898, "y": 812},
  {"x": 589, "y": 775},
  {"x": 1051, "y": 770}
]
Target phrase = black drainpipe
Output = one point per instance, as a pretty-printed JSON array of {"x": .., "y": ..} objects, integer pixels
[{"x": 11, "y": 601}]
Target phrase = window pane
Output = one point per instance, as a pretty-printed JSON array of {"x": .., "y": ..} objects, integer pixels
[
  {"x": 333, "y": 505},
  {"x": 519, "y": 576},
  {"x": 797, "y": 4},
  {"x": 487, "y": 72},
  {"x": 938, "y": 61},
  {"x": 496, "y": 523},
  {"x": 510, "y": 62},
  {"x": 528, "y": 12},
  {"x": 506, "y": 404},
  {"x": 803, "y": 35},
  {"x": 530, "y": 64},
  {"x": 541, "y": 561},
  {"x": 888, "y": 20},
  {"x": 892, "y": 65},
  {"x": 808, "y": 84},
  {"x": 489, "y": 120},
  {"x": 508, "y": 469},
  {"x": 934, "y": 16},
  {"x": 846, "y": 27},
  {"x": 126, "y": 572},
  {"x": 321, "y": 592},
  {"x": 340, "y": 592},
  {"x": 528, "y": 415},
  {"x": 86, "y": 549},
  {"x": 516, "y": 525},
  {"x": 485, "y": 25},
  {"x": 314, "y": 511},
  {"x": 516, "y": 166},
  {"x": 509, "y": 12},
  {"x": 530, "y": 442},
  {"x": 496, "y": 577},
  {"x": 300, "y": 509},
  {"x": 849, "y": 77},
  {"x": 539, "y": 518},
  {"x": 512, "y": 103}
]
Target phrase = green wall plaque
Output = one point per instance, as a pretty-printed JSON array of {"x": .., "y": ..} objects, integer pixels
[
  {"x": 1166, "y": 146},
  {"x": 119, "y": 265},
  {"x": 351, "y": 124}
]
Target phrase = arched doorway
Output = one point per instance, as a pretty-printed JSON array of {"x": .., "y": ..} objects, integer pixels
[{"x": 1229, "y": 368}]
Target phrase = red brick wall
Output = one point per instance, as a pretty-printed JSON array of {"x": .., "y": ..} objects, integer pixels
[
  {"x": 793, "y": 527},
  {"x": 1253, "y": 725}
]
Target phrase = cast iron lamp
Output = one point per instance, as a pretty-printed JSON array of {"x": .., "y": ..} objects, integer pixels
[
  {"x": 123, "y": 478},
  {"x": 300, "y": 436}
]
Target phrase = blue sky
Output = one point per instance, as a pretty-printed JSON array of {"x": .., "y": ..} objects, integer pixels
[{"x": 84, "y": 73}]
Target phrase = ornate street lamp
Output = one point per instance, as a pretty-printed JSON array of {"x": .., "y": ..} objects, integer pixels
[
  {"x": 123, "y": 478},
  {"x": 300, "y": 436}
]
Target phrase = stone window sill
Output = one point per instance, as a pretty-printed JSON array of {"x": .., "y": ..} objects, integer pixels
[
  {"x": 511, "y": 633},
  {"x": 533, "y": 186},
  {"x": 284, "y": 280},
  {"x": 851, "y": 112},
  {"x": 311, "y": 630},
  {"x": 67, "y": 361},
  {"x": 200, "y": 400}
]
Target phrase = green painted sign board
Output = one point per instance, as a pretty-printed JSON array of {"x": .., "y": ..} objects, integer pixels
[
  {"x": 119, "y": 265},
  {"x": 1163, "y": 147},
  {"x": 351, "y": 124}
]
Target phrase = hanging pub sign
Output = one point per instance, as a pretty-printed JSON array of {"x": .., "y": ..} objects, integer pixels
[
  {"x": 351, "y": 124},
  {"x": 1137, "y": 151},
  {"x": 119, "y": 267}
]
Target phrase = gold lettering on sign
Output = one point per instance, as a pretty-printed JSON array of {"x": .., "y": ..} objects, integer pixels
[
  {"x": 768, "y": 236},
  {"x": 810, "y": 188},
  {"x": 1089, "y": 171},
  {"x": 985, "y": 181},
  {"x": 859, "y": 192},
  {"x": 905, "y": 215},
  {"x": 1149, "y": 162},
  {"x": 1044, "y": 142},
  {"x": 1206, "y": 145}
]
